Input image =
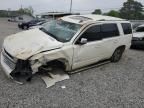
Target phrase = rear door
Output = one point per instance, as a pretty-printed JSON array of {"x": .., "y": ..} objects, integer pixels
[{"x": 110, "y": 38}]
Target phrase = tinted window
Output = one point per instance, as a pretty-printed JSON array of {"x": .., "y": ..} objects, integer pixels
[
  {"x": 127, "y": 28},
  {"x": 92, "y": 34},
  {"x": 140, "y": 29},
  {"x": 109, "y": 30},
  {"x": 20, "y": 18}
]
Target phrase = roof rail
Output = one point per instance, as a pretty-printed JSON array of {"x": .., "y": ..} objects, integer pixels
[{"x": 111, "y": 20}]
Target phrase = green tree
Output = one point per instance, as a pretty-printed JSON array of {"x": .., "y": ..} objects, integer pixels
[
  {"x": 97, "y": 11},
  {"x": 113, "y": 13},
  {"x": 132, "y": 10},
  {"x": 28, "y": 11}
]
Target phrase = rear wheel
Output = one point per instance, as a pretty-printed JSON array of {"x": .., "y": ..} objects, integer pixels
[{"x": 117, "y": 54}]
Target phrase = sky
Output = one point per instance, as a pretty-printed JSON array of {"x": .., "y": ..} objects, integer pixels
[{"x": 83, "y": 6}]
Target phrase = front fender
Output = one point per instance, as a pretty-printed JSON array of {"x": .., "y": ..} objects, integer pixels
[{"x": 63, "y": 56}]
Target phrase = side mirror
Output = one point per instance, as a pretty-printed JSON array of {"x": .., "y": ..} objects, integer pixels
[{"x": 83, "y": 41}]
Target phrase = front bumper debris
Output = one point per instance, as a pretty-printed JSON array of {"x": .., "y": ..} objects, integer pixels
[
  {"x": 18, "y": 70},
  {"x": 22, "y": 69}
]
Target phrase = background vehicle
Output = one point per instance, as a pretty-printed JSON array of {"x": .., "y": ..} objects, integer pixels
[
  {"x": 40, "y": 25},
  {"x": 27, "y": 25},
  {"x": 21, "y": 18},
  {"x": 138, "y": 37},
  {"x": 69, "y": 43}
]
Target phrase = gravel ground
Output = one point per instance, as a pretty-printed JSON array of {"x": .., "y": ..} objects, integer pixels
[{"x": 114, "y": 85}]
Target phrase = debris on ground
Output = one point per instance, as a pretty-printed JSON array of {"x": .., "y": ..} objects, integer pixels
[
  {"x": 63, "y": 87},
  {"x": 55, "y": 78}
]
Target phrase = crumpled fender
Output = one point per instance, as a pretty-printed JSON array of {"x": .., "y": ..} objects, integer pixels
[{"x": 64, "y": 55}]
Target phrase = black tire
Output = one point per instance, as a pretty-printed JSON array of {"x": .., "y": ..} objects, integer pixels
[{"x": 117, "y": 54}]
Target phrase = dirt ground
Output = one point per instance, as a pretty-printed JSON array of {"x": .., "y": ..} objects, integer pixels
[{"x": 114, "y": 85}]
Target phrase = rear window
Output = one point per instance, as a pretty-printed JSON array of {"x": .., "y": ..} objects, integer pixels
[{"x": 127, "y": 28}]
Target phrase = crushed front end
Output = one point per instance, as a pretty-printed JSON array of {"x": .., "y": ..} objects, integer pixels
[{"x": 15, "y": 68}]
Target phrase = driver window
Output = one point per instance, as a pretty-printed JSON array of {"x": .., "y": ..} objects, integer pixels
[{"x": 92, "y": 33}]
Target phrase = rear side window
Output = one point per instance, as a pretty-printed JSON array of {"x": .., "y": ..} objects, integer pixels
[
  {"x": 127, "y": 28},
  {"x": 99, "y": 32},
  {"x": 109, "y": 30}
]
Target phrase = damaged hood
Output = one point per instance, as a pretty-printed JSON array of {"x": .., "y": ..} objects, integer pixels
[{"x": 28, "y": 43}]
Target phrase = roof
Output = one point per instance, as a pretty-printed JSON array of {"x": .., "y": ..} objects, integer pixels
[{"x": 81, "y": 19}]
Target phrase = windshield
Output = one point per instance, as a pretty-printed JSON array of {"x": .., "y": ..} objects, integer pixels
[
  {"x": 61, "y": 30},
  {"x": 140, "y": 29}
]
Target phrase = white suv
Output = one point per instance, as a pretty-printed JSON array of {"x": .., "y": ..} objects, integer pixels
[
  {"x": 138, "y": 37},
  {"x": 70, "y": 43}
]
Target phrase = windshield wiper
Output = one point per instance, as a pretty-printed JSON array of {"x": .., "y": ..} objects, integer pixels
[{"x": 50, "y": 34}]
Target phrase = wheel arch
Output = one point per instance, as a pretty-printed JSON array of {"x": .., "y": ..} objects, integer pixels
[
  {"x": 122, "y": 46},
  {"x": 61, "y": 63}
]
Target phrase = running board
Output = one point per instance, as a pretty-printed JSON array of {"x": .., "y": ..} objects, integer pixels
[{"x": 89, "y": 67}]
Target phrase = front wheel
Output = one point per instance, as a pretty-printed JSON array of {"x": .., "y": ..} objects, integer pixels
[{"x": 117, "y": 55}]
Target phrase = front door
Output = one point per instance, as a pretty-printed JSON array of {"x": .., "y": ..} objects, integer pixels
[{"x": 89, "y": 52}]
